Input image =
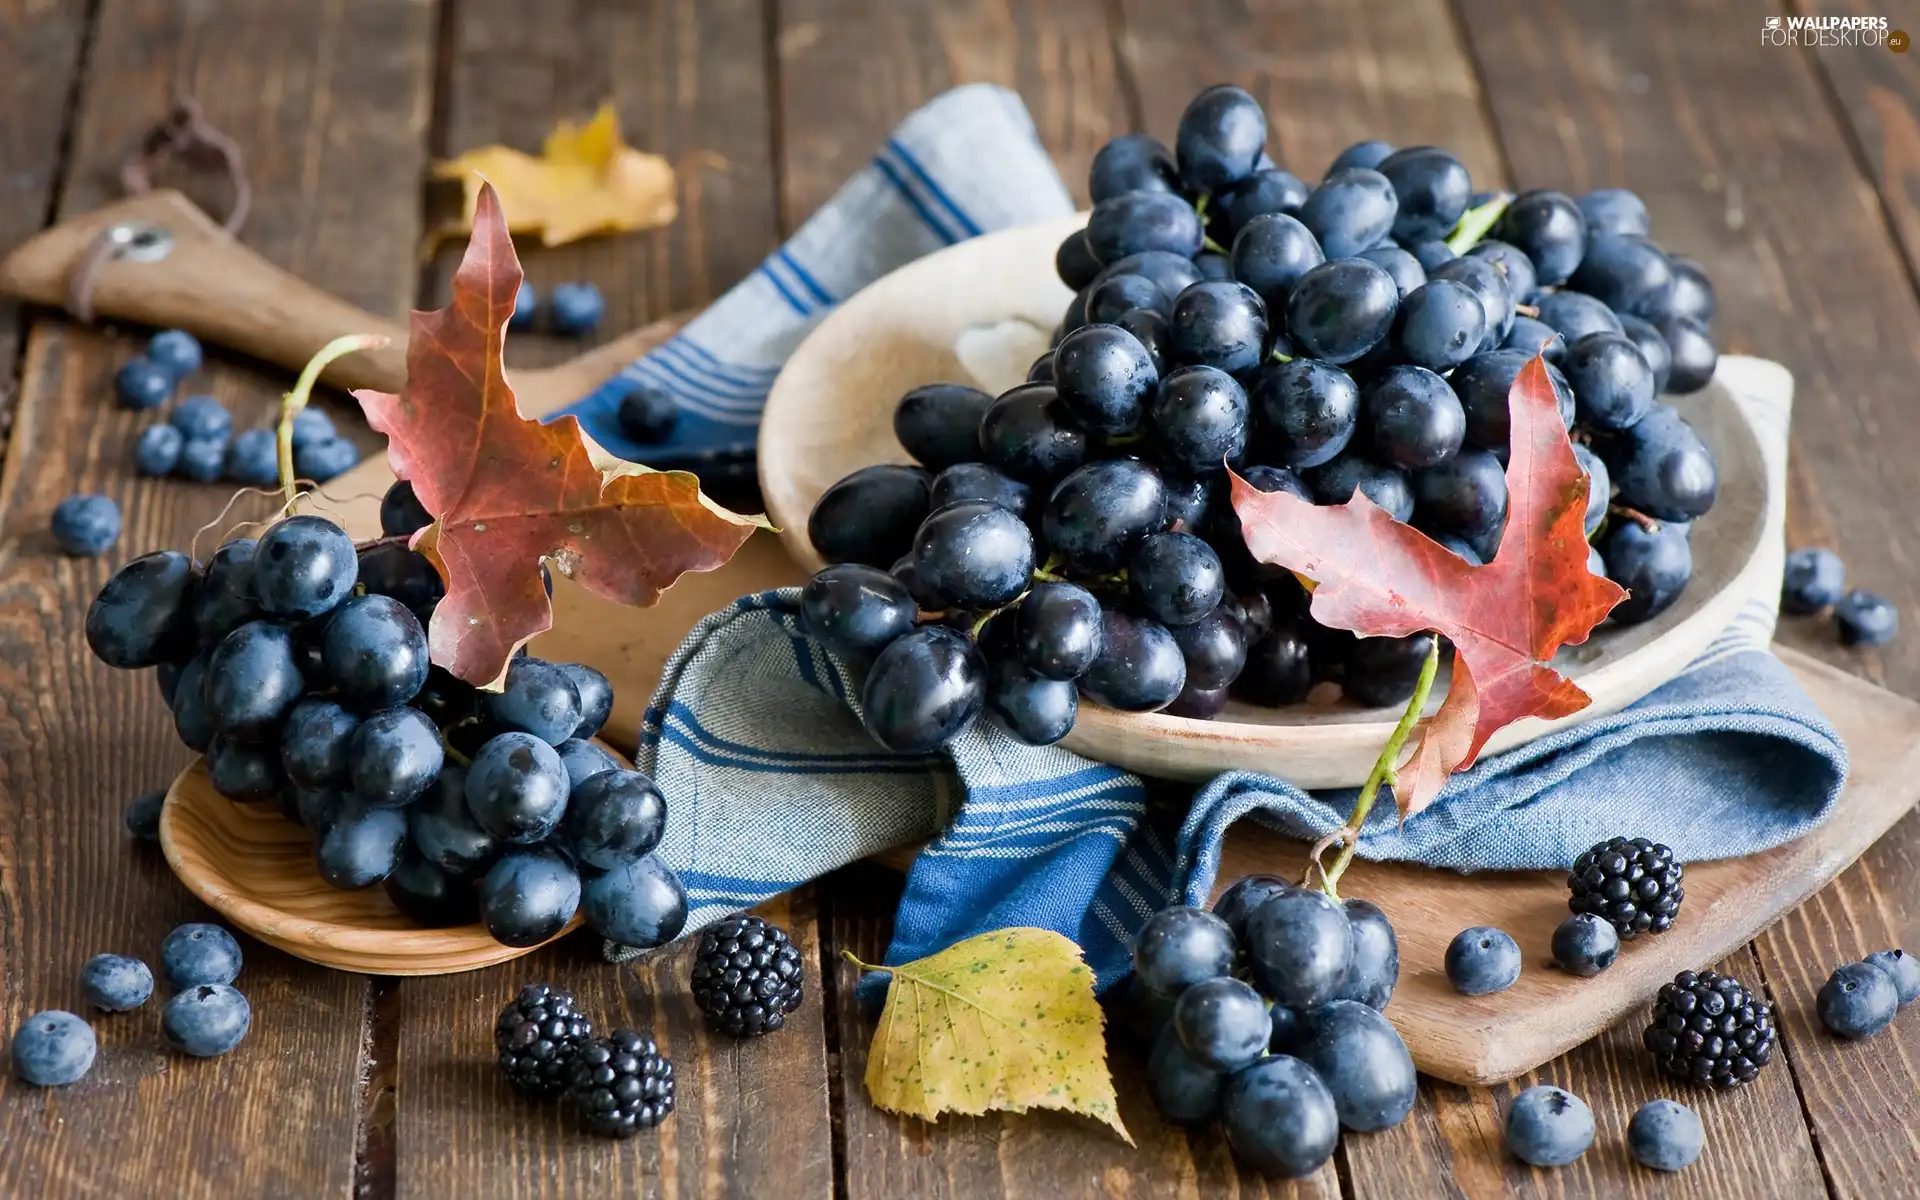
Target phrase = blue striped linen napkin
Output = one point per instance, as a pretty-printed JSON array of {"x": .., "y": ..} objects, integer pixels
[{"x": 967, "y": 162}]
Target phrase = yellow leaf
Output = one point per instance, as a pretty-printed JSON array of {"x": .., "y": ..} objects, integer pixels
[
  {"x": 585, "y": 181},
  {"x": 1002, "y": 1021}
]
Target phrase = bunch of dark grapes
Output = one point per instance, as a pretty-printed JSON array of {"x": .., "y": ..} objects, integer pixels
[
  {"x": 297, "y": 665},
  {"x": 1073, "y": 537}
]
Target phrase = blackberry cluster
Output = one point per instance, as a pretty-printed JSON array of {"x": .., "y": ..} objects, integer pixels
[
  {"x": 1073, "y": 539},
  {"x": 538, "y": 1034},
  {"x": 621, "y": 1084},
  {"x": 1634, "y": 885},
  {"x": 298, "y": 665},
  {"x": 746, "y": 976},
  {"x": 1710, "y": 1029}
]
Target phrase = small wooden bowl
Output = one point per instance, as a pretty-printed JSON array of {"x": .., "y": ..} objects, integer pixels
[
  {"x": 255, "y": 868},
  {"x": 983, "y": 310}
]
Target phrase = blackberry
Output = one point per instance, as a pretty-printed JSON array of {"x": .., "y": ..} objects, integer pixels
[
  {"x": 538, "y": 1035},
  {"x": 746, "y": 976},
  {"x": 621, "y": 1084},
  {"x": 1710, "y": 1029},
  {"x": 1632, "y": 884}
]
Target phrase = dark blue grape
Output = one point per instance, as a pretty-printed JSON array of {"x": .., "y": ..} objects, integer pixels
[
  {"x": 1139, "y": 667},
  {"x": 1280, "y": 1118},
  {"x": 1666, "y": 471},
  {"x": 304, "y": 566},
  {"x": 1549, "y": 229},
  {"x": 1212, "y": 266},
  {"x": 1222, "y": 1023},
  {"x": 539, "y": 698},
  {"x": 1037, "y": 710},
  {"x": 253, "y": 682},
  {"x": 910, "y": 579},
  {"x": 641, "y": 904},
  {"x": 1416, "y": 419},
  {"x": 1074, "y": 261},
  {"x": 1099, "y": 513},
  {"x": 1247, "y": 893},
  {"x": 401, "y": 513},
  {"x": 1350, "y": 211},
  {"x": 1360, "y": 154},
  {"x": 1386, "y": 486},
  {"x": 529, "y": 895},
  {"x": 443, "y": 830},
  {"x": 1406, "y": 270},
  {"x": 394, "y": 756},
  {"x": 1692, "y": 292},
  {"x": 1228, "y": 538},
  {"x": 375, "y": 652},
  {"x": 1103, "y": 376},
  {"x": 192, "y": 720},
  {"x": 1486, "y": 281},
  {"x": 583, "y": 759},
  {"x": 1612, "y": 384},
  {"x": 1058, "y": 630},
  {"x": 244, "y": 772},
  {"x": 1340, "y": 310},
  {"x": 939, "y": 424},
  {"x": 1199, "y": 418},
  {"x": 1304, "y": 411},
  {"x": 1531, "y": 336},
  {"x": 1484, "y": 384},
  {"x": 1599, "y": 485},
  {"x": 1268, "y": 191},
  {"x": 613, "y": 817},
  {"x": 869, "y": 517},
  {"x": 1432, "y": 255},
  {"x": 1119, "y": 293},
  {"x": 1148, "y": 328},
  {"x": 1376, "y": 956},
  {"x": 1431, "y": 187},
  {"x": 1214, "y": 649},
  {"x": 1654, "y": 566},
  {"x": 1196, "y": 703},
  {"x": 1694, "y": 354},
  {"x": 1652, "y": 346},
  {"x": 1028, "y": 434},
  {"x": 1181, "y": 946},
  {"x": 1182, "y": 1090},
  {"x": 1175, "y": 578},
  {"x": 1040, "y": 372},
  {"x": 855, "y": 610},
  {"x": 1465, "y": 495},
  {"x": 1362, "y": 1061},
  {"x": 360, "y": 845},
  {"x": 1132, "y": 162},
  {"x": 313, "y": 744},
  {"x": 1221, "y": 138},
  {"x": 406, "y": 575},
  {"x": 596, "y": 698},
  {"x": 1576, "y": 314},
  {"x": 143, "y": 615},
  {"x": 517, "y": 788},
  {"x": 1626, "y": 273},
  {"x": 1514, "y": 266},
  {"x": 1278, "y": 669},
  {"x": 1270, "y": 254},
  {"x": 1190, "y": 501},
  {"x": 1611, "y": 211},
  {"x": 1221, "y": 325},
  {"x": 1137, "y": 221},
  {"x": 1441, "y": 324},
  {"x": 1300, "y": 947},
  {"x": 428, "y": 896},
  {"x": 978, "y": 481},
  {"x": 1173, "y": 273},
  {"x": 225, "y": 601},
  {"x": 923, "y": 690},
  {"x": 1382, "y": 672},
  {"x": 974, "y": 555}
]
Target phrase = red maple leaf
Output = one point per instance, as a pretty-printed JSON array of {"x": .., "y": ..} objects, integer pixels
[
  {"x": 1376, "y": 576},
  {"x": 508, "y": 493}
]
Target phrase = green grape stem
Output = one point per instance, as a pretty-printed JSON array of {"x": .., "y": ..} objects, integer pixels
[
  {"x": 1476, "y": 223},
  {"x": 1383, "y": 772},
  {"x": 295, "y": 400}
]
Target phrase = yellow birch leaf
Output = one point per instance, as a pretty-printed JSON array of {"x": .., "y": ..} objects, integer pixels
[
  {"x": 585, "y": 181},
  {"x": 1005, "y": 1020}
]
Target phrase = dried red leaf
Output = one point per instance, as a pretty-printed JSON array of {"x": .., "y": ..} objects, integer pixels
[
  {"x": 508, "y": 492},
  {"x": 1376, "y": 576}
]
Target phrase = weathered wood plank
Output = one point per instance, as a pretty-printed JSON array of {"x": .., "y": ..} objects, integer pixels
[{"x": 326, "y": 128}]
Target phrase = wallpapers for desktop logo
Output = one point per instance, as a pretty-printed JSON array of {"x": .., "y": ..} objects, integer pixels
[{"x": 1824, "y": 32}]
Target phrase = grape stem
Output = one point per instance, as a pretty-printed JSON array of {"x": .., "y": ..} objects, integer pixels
[
  {"x": 1476, "y": 223},
  {"x": 295, "y": 400},
  {"x": 1209, "y": 244},
  {"x": 1280, "y": 358},
  {"x": 1636, "y": 516},
  {"x": 1528, "y": 310},
  {"x": 1383, "y": 772}
]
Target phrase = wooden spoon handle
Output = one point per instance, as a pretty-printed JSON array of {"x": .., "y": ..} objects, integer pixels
[{"x": 207, "y": 284}]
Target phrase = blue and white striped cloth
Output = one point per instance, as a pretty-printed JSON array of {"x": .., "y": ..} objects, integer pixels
[
  {"x": 966, "y": 163},
  {"x": 755, "y": 738}
]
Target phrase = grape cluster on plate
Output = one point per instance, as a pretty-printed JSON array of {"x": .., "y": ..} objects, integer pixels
[
  {"x": 297, "y": 664},
  {"x": 1072, "y": 537}
]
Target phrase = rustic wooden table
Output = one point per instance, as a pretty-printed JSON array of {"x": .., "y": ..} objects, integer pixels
[{"x": 1793, "y": 175}]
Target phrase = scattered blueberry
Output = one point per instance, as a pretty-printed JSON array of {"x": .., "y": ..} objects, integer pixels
[
  {"x": 86, "y": 524},
  {"x": 201, "y": 417},
  {"x": 1814, "y": 579},
  {"x": 176, "y": 350},
  {"x": 254, "y": 458},
  {"x": 311, "y": 425},
  {"x": 325, "y": 459},
  {"x": 53, "y": 1048},
  {"x": 1585, "y": 945},
  {"x": 142, "y": 816},
  {"x": 1665, "y": 1136},
  {"x": 142, "y": 383},
  {"x": 1548, "y": 1126},
  {"x": 203, "y": 460},
  {"x": 206, "y": 1020},
  {"x": 1865, "y": 619},
  {"x": 647, "y": 414},
  {"x": 199, "y": 953},
  {"x": 1903, "y": 969},
  {"x": 526, "y": 306},
  {"x": 1858, "y": 1001},
  {"x": 158, "y": 450},
  {"x": 115, "y": 983},
  {"x": 1482, "y": 960},
  {"x": 576, "y": 308}
]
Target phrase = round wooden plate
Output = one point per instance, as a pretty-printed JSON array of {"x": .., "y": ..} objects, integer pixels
[
  {"x": 983, "y": 309},
  {"x": 255, "y": 868}
]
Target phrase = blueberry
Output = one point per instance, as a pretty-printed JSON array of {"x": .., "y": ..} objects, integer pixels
[
  {"x": 254, "y": 458},
  {"x": 1376, "y": 956},
  {"x": 1482, "y": 960},
  {"x": 1222, "y": 1024},
  {"x": 1858, "y": 1000},
  {"x": 142, "y": 816},
  {"x": 528, "y": 896},
  {"x": 526, "y": 306},
  {"x": 86, "y": 524},
  {"x": 647, "y": 414},
  {"x": 1664, "y": 1135},
  {"x": 198, "y": 953},
  {"x": 115, "y": 983},
  {"x": 311, "y": 425},
  {"x": 206, "y": 1020},
  {"x": 1585, "y": 945},
  {"x": 1280, "y": 1118},
  {"x": 613, "y": 818},
  {"x": 1184, "y": 1091},
  {"x": 583, "y": 760},
  {"x": 1361, "y": 1059},
  {"x": 576, "y": 308},
  {"x": 639, "y": 903},
  {"x": 1181, "y": 946},
  {"x": 325, "y": 459},
  {"x": 157, "y": 452},
  {"x": 142, "y": 383},
  {"x": 53, "y": 1048},
  {"x": 175, "y": 350},
  {"x": 1865, "y": 619},
  {"x": 1300, "y": 947},
  {"x": 201, "y": 417},
  {"x": 203, "y": 460},
  {"x": 1548, "y": 1126},
  {"x": 1903, "y": 969}
]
